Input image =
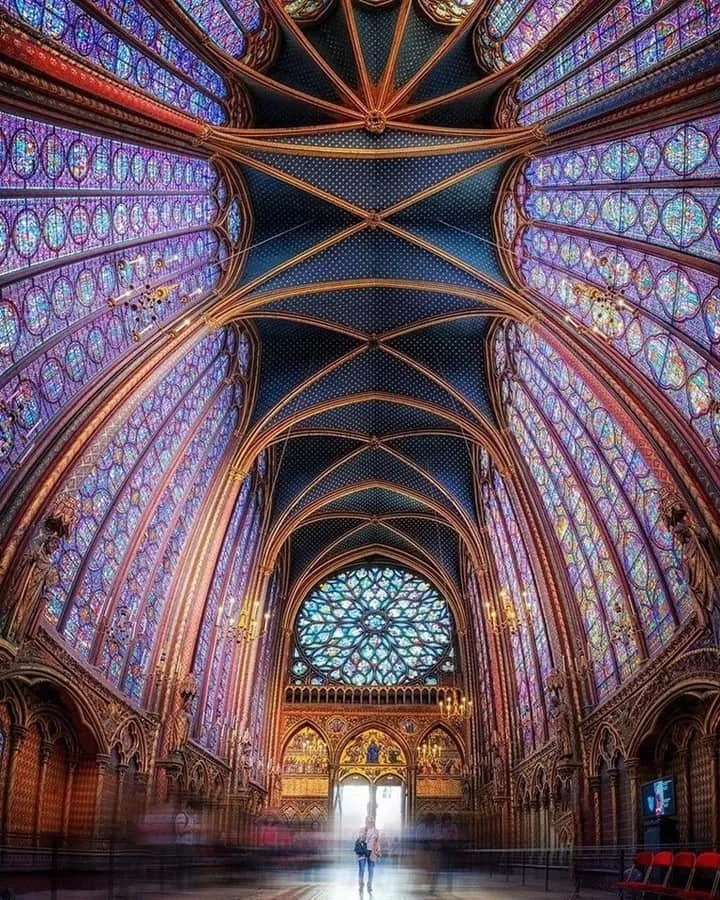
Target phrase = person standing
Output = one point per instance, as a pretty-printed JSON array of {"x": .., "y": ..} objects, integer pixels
[{"x": 367, "y": 850}]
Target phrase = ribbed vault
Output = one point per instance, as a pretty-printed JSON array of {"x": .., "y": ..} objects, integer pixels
[{"x": 372, "y": 281}]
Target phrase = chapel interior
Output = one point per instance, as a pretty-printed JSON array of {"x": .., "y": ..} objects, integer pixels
[{"x": 360, "y": 422}]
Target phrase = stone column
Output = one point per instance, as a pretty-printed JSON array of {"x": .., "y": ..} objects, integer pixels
[
  {"x": 101, "y": 763},
  {"x": 332, "y": 787},
  {"x": 686, "y": 820},
  {"x": 710, "y": 747},
  {"x": 613, "y": 776},
  {"x": 594, "y": 782},
  {"x": 632, "y": 767},
  {"x": 46, "y": 749},
  {"x": 117, "y": 824},
  {"x": 67, "y": 799},
  {"x": 15, "y": 739}
]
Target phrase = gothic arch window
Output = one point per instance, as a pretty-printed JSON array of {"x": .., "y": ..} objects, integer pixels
[
  {"x": 129, "y": 43},
  {"x": 229, "y": 618},
  {"x": 447, "y": 12},
  {"x": 485, "y": 704},
  {"x": 627, "y": 41},
  {"x": 511, "y": 29},
  {"x": 101, "y": 241},
  {"x": 573, "y": 223},
  {"x": 146, "y": 475},
  {"x": 239, "y": 28},
  {"x": 602, "y": 496},
  {"x": 373, "y": 625},
  {"x": 264, "y": 669},
  {"x": 520, "y": 605}
]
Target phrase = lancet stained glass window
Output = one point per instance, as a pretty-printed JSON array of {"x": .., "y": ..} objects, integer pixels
[
  {"x": 89, "y": 225},
  {"x": 179, "y": 426},
  {"x": 603, "y": 499},
  {"x": 240, "y": 28},
  {"x": 512, "y": 28},
  {"x": 485, "y": 705},
  {"x": 373, "y": 625},
  {"x": 629, "y": 40},
  {"x": 167, "y": 69},
  {"x": 528, "y": 639},
  {"x": 665, "y": 315}
]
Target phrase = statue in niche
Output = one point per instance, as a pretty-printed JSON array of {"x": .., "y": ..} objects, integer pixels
[
  {"x": 699, "y": 555},
  {"x": 498, "y": 765},
  {"x": 372, "y": 755},
  {"x": 559, "y": 714},
  {"x": 181, "y": 720},
  {"x": 36, "y": 570}
]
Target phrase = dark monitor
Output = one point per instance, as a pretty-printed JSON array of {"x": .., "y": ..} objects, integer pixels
[{"x": 658, "y": 798}]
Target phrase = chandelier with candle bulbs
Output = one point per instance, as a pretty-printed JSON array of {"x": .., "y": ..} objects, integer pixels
[
  {"x": 606, "y": 302},
  {"x": 144, "y": 301},
  {"x": 455, "y": 706}
]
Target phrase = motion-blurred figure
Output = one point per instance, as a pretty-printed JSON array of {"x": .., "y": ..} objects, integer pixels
[{"x": 367, "y": 850}]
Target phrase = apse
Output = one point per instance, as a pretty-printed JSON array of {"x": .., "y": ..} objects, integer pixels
[{"x": 360, "y": 425}]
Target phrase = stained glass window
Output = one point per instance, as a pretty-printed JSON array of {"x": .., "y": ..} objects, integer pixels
[
  {"x": 373, "y": 625},
  {"x": 234, "y": 620},
  {"x": 265, "y": 659},
  {"x": 512, "y": 28},
  {"x": 602, "y": 496},
  {"x": 239, "y": 28},
  {"x": 577, "y": 237},
  {"x": 485, "y": 703},
  {"x": 627, "y": 41},
  {"x": 519, "y": 591},
  {"x": 166, "y": 69},
  {"x": 447, "y": 12},
  {"x": 100, "y": 241},
  {"x": 140, "y": 485}
]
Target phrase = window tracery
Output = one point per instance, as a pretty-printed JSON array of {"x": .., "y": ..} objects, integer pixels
[
  {"x": 626, "y": 42},
  {"x": 513, "y": 29},
  {"x": 574, "y": 224},
  {"x": 373, "y": 625},
  {"x": 228, "y": 612},
  {"x": 240, "y": 28},
  {"x": 602, "y": 497},
  {"x": 129, "y": 43},
  {"x": 146, "y": 475},
  {"x": 100, "y": 241},
  {"x": 528, "y": 633}
]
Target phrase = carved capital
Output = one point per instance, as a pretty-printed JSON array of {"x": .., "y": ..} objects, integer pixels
[{"x": 17, "y": 736}]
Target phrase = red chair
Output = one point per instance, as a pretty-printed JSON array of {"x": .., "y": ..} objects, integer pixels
[
  {"x": 704, "y": 882},
  {"x": 642, "y": 862},
  {"x": 681, "y": 873},
  {"x": 658, "y": 876}
]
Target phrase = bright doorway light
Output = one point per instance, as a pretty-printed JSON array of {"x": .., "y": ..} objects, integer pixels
[
  {"x": 389, "y": 799},
  {"x": 354, "y": 801}
]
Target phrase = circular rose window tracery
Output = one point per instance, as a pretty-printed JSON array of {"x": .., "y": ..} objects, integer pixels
[{"x": 373, "y": 625}]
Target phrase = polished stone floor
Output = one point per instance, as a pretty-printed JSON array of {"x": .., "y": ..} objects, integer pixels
[{"x": 339, "y": 883}]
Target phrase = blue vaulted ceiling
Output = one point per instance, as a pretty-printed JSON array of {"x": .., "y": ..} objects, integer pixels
[{"x": 372, "y": 282}]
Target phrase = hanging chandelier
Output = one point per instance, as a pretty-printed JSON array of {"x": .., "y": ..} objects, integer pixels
[
  {"x": 606, "y": 302},
  {"x": 144, "y": 301},
  {"x": 455, "y": 706}
]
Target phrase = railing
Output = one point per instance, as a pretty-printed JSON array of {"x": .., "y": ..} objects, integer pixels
[{"x": 371, "y": 696}]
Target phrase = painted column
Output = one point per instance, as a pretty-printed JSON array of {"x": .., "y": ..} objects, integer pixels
[
  {"x": 67, "y": 799},
  {"x": 632, "y": 767},
  {"x": 101, "y": 763},
  {"x": 594, "y": 782},
  {"x": 46, "y": 749},
  {"x": 16, "y": 738},
  {"x": 613, "y": 775},
  {"x": 710, "y": 746}
]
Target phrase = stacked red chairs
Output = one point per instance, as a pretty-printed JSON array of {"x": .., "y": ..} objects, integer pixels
[{"x": 668, "y": 874}]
